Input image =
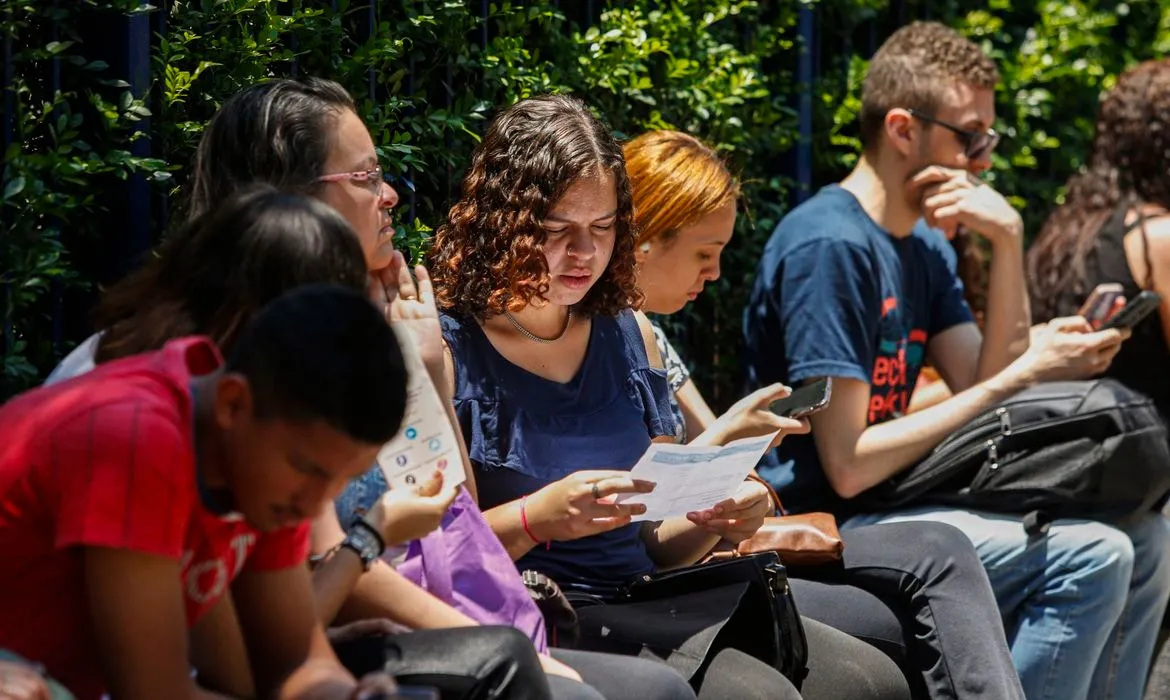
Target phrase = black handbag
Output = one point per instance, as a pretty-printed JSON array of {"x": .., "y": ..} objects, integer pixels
[
  {"x": 1083, "y": 449},
  {"x": 681, "y": 616},
  {"x": 465, "y": 663},
  {"x": 560, "y": 619}
]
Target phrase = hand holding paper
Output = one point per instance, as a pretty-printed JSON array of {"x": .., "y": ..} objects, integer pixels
[
  {"x": 427, "y": 441},
  {"x": 582, "y": 504},
  {"x": 690, "y": 478},
  {"x": 738, "y": 517},
  {"x": 405, "y": 514}
]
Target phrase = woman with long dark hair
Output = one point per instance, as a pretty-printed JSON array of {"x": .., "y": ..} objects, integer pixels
[{"x": 1114, "y": 225}]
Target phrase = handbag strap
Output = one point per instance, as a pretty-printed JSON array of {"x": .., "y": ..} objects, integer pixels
[
  {"x": 435, "y": 565},
  {"x": 752, "y": 476}
]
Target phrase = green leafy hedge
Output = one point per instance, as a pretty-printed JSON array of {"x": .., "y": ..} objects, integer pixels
[{"x": 429, "y": 73}]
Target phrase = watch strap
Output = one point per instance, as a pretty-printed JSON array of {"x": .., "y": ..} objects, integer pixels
[{"x": 364, "y": 541}]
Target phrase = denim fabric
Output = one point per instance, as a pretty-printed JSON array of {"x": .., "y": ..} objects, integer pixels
[
  {"x": 360, "y": 494},
  {"x": 1081, "y": 605}
]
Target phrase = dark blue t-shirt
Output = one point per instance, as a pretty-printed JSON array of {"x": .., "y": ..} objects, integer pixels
[
  {"x": 836, "y": 295},
  {"x": 524, "y": 432}
]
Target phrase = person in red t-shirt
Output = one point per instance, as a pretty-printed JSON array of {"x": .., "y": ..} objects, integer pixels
[{"x": 133, "y": 497}]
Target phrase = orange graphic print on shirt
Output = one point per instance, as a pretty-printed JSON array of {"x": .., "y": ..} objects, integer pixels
[{"x": 897, "y": 360}]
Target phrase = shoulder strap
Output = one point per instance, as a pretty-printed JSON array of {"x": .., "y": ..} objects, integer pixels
[
  {"x": 1148, "y": 283},
  {"x": 1140, "y": 222},
  {"x": 752, "y": 476}
]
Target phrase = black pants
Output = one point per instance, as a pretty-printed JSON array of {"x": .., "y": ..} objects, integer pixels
[
  {"x": 613, "y": 677},
  {"x": 918, "y": 592},
  {"x": 462, "y": 662},
  {"x": 840, "y": 668}
]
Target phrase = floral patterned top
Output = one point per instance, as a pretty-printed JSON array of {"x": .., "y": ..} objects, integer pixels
[{"x": 677, "y": 374}]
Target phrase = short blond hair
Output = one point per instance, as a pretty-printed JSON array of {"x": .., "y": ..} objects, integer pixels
[{"x": 913, "y": 69}]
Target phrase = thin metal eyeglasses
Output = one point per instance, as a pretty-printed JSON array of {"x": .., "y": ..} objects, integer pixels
[
  {"x": 976, "y": 144},
  {"x": 372, "y": 178}
]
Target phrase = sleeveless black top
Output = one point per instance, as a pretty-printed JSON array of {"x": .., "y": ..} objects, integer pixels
[{"x": 1142, "y": 362}]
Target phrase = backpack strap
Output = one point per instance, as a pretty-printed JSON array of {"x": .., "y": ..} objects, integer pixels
[{"x": 1036, "y": 523}]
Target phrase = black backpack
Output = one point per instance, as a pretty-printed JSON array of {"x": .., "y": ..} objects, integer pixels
[{"x": 1087, "y": 449}]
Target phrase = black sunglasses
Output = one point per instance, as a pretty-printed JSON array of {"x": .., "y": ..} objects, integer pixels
[{"x": 975, "y": 143}]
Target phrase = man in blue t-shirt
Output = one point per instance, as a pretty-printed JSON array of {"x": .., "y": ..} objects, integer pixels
[{"x": 859, "y": 284}]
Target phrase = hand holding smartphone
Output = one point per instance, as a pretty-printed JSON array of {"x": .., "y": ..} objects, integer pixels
[
  {"x": 1101, "y": 302},
  {"x": 1135, "y": 311},
  {"x": 805, "y": 400}
]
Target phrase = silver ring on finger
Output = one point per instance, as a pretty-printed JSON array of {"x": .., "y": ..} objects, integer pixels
[{"x": 596, "y": 492}]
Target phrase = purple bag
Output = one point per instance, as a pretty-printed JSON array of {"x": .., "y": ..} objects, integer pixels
[{"x": 463, "y": 564}]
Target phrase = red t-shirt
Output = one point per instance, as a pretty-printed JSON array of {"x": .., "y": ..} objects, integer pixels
[{"x": 108, "y": 460}]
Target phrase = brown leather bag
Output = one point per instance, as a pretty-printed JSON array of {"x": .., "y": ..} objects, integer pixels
[{"x": 800, "y": 540}]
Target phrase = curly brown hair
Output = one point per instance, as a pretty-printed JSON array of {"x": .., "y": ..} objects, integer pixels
[
  {"x": 488, "y": 257},
  {"x": 1127, "y": 166},
  {"x": 913, "y": 69}
]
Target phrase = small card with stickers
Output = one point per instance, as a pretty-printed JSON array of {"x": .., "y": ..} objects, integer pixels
[{"x": 426, "y": 441}]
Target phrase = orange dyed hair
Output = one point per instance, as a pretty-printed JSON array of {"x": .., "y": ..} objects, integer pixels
[{"x": 677, "y": 180}]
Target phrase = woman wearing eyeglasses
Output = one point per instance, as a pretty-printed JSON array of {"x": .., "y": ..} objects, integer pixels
[{"x": 325, "y": 151}]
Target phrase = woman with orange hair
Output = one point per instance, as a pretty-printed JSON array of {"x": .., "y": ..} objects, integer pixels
[{"x": 925, "y": 574}]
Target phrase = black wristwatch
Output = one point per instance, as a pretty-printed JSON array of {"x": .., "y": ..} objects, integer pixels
[{"x": 365, "y": 541}]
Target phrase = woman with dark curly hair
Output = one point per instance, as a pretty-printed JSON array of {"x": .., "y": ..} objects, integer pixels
[
  {"x": 559, "y": 388},
  {"x": 1114, "y": 226}
]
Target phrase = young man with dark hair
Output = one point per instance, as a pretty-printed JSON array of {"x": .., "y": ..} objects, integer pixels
[
  {"x": 133, "y": 496},
  {"x": 859, "y": 284}
]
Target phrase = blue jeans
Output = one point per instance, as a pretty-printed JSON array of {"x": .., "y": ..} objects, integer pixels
[{"x": 1081, "y": 605}]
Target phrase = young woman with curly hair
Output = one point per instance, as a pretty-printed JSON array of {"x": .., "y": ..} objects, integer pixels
[{"x": 559, "y": 389}]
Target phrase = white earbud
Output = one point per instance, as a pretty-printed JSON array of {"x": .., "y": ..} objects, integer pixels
[{"x": 646, "y": 247}]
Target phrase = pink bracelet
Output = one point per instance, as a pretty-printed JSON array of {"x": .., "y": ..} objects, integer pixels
[{"x": 524, "y": 524}]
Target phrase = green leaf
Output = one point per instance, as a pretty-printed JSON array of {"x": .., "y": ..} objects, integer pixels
[{"x": 14, "y": 187}]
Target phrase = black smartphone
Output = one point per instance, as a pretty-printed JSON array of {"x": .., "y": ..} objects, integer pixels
[
  {"x": 1135, "y": 310},
  {"x": 806, "y": 400}
]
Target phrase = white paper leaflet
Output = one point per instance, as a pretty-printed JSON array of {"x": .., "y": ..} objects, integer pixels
[
  {"x": 692, "y": 478},
  {"x": 426, "y": 441}
]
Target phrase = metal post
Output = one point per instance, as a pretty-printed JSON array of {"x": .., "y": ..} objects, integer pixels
[
  {"x": 484, "y": 14},
  {"x": 371, "y": 31},
  {"x": 139, "y": 225},
  {"x": 807, "y": 29},
  {"x": 58, "y": 289},
  {"x": 9, "y": 134},
  {"x": 163, "y": 198}
]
